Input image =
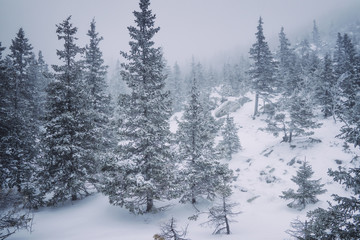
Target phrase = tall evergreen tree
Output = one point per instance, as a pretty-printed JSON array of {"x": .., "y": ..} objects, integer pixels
[
  {"x": 98, "y": 102},
  {"x": 176, "y": 88},
  {"x": 328, "y": 92},
  {"x": 195, "y": 136},
  {"x": 143, "y": 171},
  {"x": 288, "y": 74},
  {"x": 230, "y": 143},
  {"x": 262, "y": 71},
  {"x": 348, "y": 71},
  {"x": 65, "y": 164},
  {"x": 19, "y": 112},
  {"x": 316, "y": 36},
  {"x": 5, "y": 103}
]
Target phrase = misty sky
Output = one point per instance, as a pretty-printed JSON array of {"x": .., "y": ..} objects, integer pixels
[{"x": 199, "y": 28}]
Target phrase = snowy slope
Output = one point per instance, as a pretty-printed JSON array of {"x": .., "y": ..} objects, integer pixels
[{"x": 263, "y": 170}]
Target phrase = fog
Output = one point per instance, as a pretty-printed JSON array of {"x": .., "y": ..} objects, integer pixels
[{"x": 199, "y": 28}]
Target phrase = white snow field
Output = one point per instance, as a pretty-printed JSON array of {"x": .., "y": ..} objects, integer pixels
[{"x": 263, "y": 172}]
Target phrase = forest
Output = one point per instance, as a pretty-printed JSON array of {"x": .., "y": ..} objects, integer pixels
[{"x": 151, "y": 137}]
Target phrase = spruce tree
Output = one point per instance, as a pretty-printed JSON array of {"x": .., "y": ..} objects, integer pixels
[
  {"x": 98, "y": 102},
  {"x": 349, "y": 81},
  {"x": 195, "y": 137},
  {"x": 175, "y": 86},
  {"x": 328, "y": 92},
  {"x": 65, "y": 164},
  {"x": 143, "y": 169},
  {"x": 316, "y": 36},
  {"x": 230, "y": 143},
  {"x": 221, "y": 214},
  {"x": 20, "y": 117},
  {"x": 342, "y": 219},
  {"x": 296, "y": 119},
  {"x": 262, "y": 71},
  {"x": 287, "y": 73},
  {"x": 307, "y": 191},
  {"x": 5, "y": 103}
]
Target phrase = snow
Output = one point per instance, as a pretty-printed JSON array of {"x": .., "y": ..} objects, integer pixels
[{"x": 263, "y": 171}]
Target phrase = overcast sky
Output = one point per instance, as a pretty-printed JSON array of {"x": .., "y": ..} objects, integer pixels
[{"x": 199, "y": 28}]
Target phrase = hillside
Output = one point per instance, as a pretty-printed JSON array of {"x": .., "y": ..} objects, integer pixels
[{"x": 263, "y": 170}]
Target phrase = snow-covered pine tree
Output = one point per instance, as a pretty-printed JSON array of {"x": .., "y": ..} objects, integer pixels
[
  {"x": 20, "y": 117},
  {"x": 288, "y": 73},
  {"x": 221, "y": 214},
  {"x": 175, "y": 86},
  {"x": 144, "y": 169},
  {"x": 307, "y": 191},
  {"x": 42, "y": 80},
  {"x": 339, "y": 57},
  {"x": 297, "y": 120},
  {"x": 316, "y": 36},
  {"x": 195, "y": 135},
  {"x": 116, "y": 84},
  {"x": 65, "y": 164},
  {"x": 327, "y": 91},
  {"x": 349, "y": 81},
  {"x": 5, "y": 104},
  {"x": 302, "y": 118},
  {"x": 263, "y": 69},
  {"x": 342, "y": 219},
  {"x": 98, "y": 102},
  {"x": 230, "y": 143}
]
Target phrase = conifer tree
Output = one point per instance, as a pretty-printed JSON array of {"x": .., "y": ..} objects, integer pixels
[
  {"x": 98, "y": 102},
  {"x": 230, "y": 143},
  {"x": 176, "y": 88},
  {"x": 65, "y": 164},
  {"x": 316, "y": 36},
  {"x": 348, "y": 71},
  {"x": 328, "y": 92},
  {"x": 195, "y": 136},
  {"x": 262, "y": 71},
  {"x": 297, "y": 119},
  {"x": 288, "y": 73},
  {"x": 42, "y": 74},
  {"x": 221, "y": 214},
  {"x": 5, "y": 103},
  {"x": 19, "y": 148},
  {"x": 307, "y": 191},
  {"x": 342, "y": 219},
  {"x": 143, "y": 171}
]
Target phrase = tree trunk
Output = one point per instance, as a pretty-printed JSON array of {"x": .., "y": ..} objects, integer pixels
[
  {"x": 256, "y": 105},
  {"x": 149, "y": 203},
  {"x": 264, "y": 106},
  {"x": 226, "y": 219},
  {"x": 290, "y": 137}
]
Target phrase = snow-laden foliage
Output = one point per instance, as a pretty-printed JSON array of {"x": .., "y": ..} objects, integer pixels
[
  {"x": 341, "y": 220},
  {"x": 195, "y": 136},
  {"x": 143, "y": 168},
  {"x": 262, "y": 71},
  {"x": 98, "y": 104},
  {"x": 19, "y": 119},
  {"x": 307, "y": 191},
  {"x": 230, "y": 143},
  {"x": 66, "y": 163}
]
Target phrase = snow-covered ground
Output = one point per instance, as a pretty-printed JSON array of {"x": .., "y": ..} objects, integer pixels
[{"x": 263, "y": 169}]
